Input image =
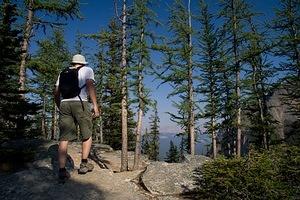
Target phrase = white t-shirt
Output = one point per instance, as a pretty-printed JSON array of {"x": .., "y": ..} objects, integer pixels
[{"x": 84, "y": 74}]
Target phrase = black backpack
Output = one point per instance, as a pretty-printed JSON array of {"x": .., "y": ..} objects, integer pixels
[{"x": 69, "y": 83}]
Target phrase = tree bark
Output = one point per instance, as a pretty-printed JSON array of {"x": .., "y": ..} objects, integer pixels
[
  {"x": 24, "y": 48},
  {"x": 213, "y": 118},
  {"x": 44, "y": 124},
  {"x": 137, "y": 153},
  {"x": 190, "y": 89},
  {"x": 101, "y": 130},
  {"x": 214, "y": 140},
  {"x": 54, "y": 123},
  {"x": 124, "y": 153},
  {"x": 237, "y": 81}
]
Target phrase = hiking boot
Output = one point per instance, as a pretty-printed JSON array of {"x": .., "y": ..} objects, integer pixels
[
  {"x": 85, "y": 167},
  {"x": 63, "y": 174}
]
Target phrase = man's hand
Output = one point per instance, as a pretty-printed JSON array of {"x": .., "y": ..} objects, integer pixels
[
  {"x": 96, "y": 112},
  {"x": 92, "y": 92}
]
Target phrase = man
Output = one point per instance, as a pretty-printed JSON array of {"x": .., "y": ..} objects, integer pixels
[{"x": 75, "y": 110}]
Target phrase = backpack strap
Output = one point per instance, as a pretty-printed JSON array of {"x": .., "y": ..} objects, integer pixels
[{"x": 81, "y": 102}]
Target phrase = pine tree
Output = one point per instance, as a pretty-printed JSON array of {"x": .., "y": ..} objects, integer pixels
[
  {"x": 172, "y": 154},
  {"x": 124, "y": 82},
  {"x": 154, "y": 134},
  {"x": 179, "y": 66},
  {"x": 52, "y": 56},
  {"x": 100, "y": 74},
  {"x": 108, "y": 75},
  {"x": 13, "y": 108},
  {"x": 79, "y": 48},
  {"x": 227, "y": 128},
  {"x": 140, "y": 19},
  {"x": 235, "y": 13},
  {"x": 60, "y": 9},
  {"x": 258, "y": 87},
  {"x": 287, "y": 26},
  {"x": 111, "y": 110},
  {"x": 145, "y": 143},
  {"x": 210, "y": 46}
]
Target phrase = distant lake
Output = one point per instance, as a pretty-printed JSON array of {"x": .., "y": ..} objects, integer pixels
[{"x": 164, "y": 144}]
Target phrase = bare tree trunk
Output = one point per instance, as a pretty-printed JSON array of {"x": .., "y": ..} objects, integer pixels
[
  {"x": 139, "y": 123},
  {"x": 100, "y": 129},
  {"x": 124, "y": 153},
  {"x": 214, "y": 140},
  {"x": 138, "y": 140},
  {"x": 259, "y": 103},
  {"x": 191, "y": 90},
  {"x": 212, "y": 122},
  {"x": 237, "y": 81},
  {"x": 137, "y": 153},
  {"x": 255, "y": 85},
  {"x": 44, "y": 124},
  {"x": 54, "y": 123},
  {"x": 239, "y": 131},
  {"x": 24, "y": 48}
]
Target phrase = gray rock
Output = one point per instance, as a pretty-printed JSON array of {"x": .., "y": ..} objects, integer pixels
[
  {"x": 170, "y": 198},
  {"x": 280, "y": 112},
  {"x": 195, "y": 159},
  {"x": 171, "y": 178},
  {"x": 102, "y": 147}
]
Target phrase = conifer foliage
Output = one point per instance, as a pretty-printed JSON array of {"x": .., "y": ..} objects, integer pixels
[
  {"x": 287, "y": 27},
  {"x": 153, "y": 143},
  {"x": 13, "y": 109},
  {"x": 210, "y": 66},
  {"x": 178, "y": 69},
  {"x": 51, "y": 58},
  {"x": 59, "y": 9},
  {"x": 140, "y": 20},
  {"x": 172, "y": 154}
]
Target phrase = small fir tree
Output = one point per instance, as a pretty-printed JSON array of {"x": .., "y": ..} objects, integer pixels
[
  {"x": 154, "y": 134},
  {"x": 172, "y": 154}
]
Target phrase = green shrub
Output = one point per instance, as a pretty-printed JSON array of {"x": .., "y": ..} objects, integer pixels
[{"x": 272, "y": 174}]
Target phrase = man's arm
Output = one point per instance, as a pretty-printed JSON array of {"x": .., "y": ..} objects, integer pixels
[
  {"x": 57, "y": 96},
  {"x": 92, "y": 92}
]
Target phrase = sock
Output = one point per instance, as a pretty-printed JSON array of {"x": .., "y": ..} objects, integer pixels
[{"x": 84, "y": 160}]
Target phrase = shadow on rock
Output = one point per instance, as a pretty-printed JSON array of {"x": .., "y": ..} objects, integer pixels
[
  {"x": 43, "y": 184},
  {"x": 95, "y": 156},
  {"x": 47, "y": 157},
  {"x": 53, "y": 154}
]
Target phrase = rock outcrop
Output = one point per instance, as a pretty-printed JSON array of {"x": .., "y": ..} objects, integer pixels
[
  {"x": 38, "y": 180},
  {"x": 163, "y": 178}
]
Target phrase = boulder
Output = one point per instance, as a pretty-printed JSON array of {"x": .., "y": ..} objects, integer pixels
[
  {"x": 163, "y": 178},
  {"x": 102, "y": 147}
]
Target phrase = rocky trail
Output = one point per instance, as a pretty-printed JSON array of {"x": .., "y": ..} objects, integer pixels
[{"x": 39, "y": 179}]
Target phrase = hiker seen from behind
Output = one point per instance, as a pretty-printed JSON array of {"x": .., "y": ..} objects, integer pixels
[{"x": 73, "y": 86}]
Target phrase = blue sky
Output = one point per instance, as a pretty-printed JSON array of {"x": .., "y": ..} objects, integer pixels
[{"x": 97, "y": 15}]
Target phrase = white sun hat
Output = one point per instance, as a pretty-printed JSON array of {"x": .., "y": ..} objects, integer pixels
[{"x": 80, "y": 59}]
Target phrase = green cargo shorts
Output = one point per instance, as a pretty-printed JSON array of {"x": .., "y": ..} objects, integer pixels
[{"x": 71, "y": 113}]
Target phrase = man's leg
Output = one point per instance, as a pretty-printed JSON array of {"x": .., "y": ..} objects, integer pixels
[
  {"x": 63, "y": 174},
  {"x": 83, "y": 117},
  {"x": 85, "y": 166},
  {"x": 62, "y": 153},
  {"x": 86, "y": 147}
]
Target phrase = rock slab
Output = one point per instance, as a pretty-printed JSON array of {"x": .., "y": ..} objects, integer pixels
[{"x": 163, "y": 178}]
